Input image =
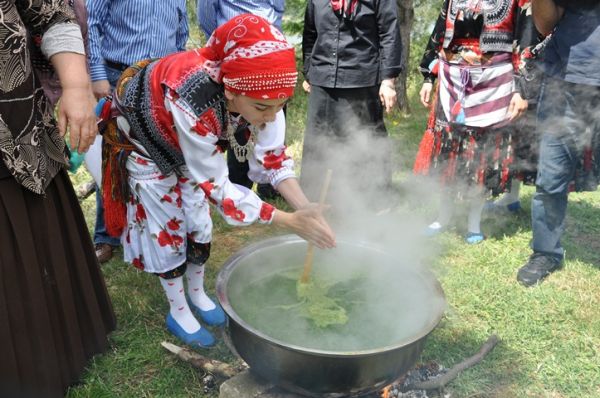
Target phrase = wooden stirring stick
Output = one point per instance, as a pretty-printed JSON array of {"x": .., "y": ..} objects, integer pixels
[{"x": 308, "y": 260}]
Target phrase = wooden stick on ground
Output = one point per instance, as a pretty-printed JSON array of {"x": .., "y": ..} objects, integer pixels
[
  {"x": 440, "y": 382},
  {"x": 308, "y": 260},
  {"x": 198, "y": 361}
]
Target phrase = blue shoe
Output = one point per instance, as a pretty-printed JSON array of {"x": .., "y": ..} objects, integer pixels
[
  {"x": 214, "y": 317},
  {"x": 514, "y": 207},
  {"x": 474, "y": 238},
  {"x": 200, "y": 339}
]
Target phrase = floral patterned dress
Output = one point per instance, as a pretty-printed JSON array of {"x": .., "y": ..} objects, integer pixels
[{"x": 168, "y": 211}]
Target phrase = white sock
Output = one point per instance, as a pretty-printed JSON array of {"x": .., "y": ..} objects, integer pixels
[
  {"x": 444, "y": 213},
  {"x": 511, "y": 196},
  {"x": 195, "y": 279},
  {"x": 474, "y": 220},
  {"x": 180, "y": 310}
]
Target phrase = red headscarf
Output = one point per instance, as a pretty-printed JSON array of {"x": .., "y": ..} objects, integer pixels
[{"x": 251, "y": 57}]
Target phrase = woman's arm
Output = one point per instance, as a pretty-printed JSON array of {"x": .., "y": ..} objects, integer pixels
[
  {"x": 546, "y": 15},
  {"x": 76, "y": 110},
  {"x": 434, "y": 44},
  {"x": 292, "y": 193}
]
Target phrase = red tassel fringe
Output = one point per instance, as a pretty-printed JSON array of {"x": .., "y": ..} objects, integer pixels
[{"x": 425, "y": 152}]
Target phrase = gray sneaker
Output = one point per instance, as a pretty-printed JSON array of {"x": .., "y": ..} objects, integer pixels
[{"x": 537, "y": 268}]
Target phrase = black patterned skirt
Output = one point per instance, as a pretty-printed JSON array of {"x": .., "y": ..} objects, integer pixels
[
  {"x": 461, "y": 156},
  {"x": 55, "y": 312}
]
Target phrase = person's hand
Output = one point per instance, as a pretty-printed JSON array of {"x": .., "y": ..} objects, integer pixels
[
  {"x": 101, "y": 88},
  {"x": 387, "y": 94},
  {"x": 517, "y": 106},
  {"x": 308, "y": 223},
  {"x": 306, "y": 86},
  {"x": 425, "y": 93},
  {"x": 76, "y": 113}
]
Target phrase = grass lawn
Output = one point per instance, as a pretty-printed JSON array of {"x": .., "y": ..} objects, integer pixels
[{"x": 550, "y": 334}]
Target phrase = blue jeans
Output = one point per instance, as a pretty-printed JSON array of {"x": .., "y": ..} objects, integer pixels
[
  {"x": 565, "y": 110},
  {"x": 100, "y": 234}
]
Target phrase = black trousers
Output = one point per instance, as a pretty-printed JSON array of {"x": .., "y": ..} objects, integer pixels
[{"x": 345, "y": 132}]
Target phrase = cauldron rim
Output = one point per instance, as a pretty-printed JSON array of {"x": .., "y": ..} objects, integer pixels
[{"x": 231, "y": 263}]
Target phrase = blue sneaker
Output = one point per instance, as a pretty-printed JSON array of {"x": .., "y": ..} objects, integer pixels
[
  {"x": 474, "y": 238},
  {"x": 214, "y": 317},
  {"x": 200, "y": 339}
]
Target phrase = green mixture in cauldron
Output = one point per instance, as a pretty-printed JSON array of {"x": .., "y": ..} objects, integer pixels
[{"x": 338, "y": 311}]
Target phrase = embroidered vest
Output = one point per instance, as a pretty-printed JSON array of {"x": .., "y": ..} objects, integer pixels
[
  {"x": 498, "y": 23},
  {"x": 151, "y": 124}
]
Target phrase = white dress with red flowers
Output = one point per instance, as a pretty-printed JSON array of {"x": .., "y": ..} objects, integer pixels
[{"x": 164, "y": 212}]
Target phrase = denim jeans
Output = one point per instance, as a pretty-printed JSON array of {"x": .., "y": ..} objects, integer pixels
[
  {"x": 100, "y": 234},
  {"x": 565, "y": 111}
]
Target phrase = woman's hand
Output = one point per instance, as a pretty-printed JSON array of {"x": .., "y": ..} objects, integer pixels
[
  {"x": 101, "y": 88},
  {"x": 387, "y": 94},
  {"x": 309, "y": 224},
  {"x": 425, "y": 93},
  {"x": 517, "y": 106},
  {"x": 306, "y": 86},
  {"x": 76, "y": 113}
]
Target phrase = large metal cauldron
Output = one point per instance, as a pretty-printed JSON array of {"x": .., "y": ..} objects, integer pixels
[{"x": 309, "y": 371}]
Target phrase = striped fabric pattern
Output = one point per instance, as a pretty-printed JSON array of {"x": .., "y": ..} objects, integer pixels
[
  {"x": 214, "y": 13},
  {"x": 477, "y": 96},
  {"x": 127, "y": 31}
]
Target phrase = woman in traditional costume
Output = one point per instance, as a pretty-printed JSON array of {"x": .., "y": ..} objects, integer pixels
[
  {"x": 178, "y": 114},
  {"x": 473, "y": 50},
  {"x": 55, "y": 312}
]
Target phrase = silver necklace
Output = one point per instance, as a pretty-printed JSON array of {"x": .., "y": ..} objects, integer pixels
[{"x": 240, "y": 152}]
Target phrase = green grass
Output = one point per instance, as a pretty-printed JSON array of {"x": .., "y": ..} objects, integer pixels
[{"x": 550, "y": 334}]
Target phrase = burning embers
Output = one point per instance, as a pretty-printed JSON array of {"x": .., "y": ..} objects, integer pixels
[{"x": 407, "y": 385}]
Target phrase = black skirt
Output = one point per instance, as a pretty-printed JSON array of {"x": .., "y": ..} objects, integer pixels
[{"x": 55, "y": 312}]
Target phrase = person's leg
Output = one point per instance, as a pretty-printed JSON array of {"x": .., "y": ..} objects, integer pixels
[
  {"x": 156, "y": 241},
  {"x": 476, "y": 203},
  {"x": 559, "y": 122},
  {"x": 377, "y": 152},
  {"x": 445, "y": 211},
  {"x": 103, "y": 241},
  {"x": 510, "y": 199},
  {"x": 317, "y": 141},
  {"x": 199, "y": 234},
  {"x": 180, "y": 320}
]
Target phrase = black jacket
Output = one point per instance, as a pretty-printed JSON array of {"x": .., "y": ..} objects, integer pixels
[{"x": 347, "y": 54}]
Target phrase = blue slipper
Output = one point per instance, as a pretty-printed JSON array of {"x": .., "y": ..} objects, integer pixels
[
  {"x": 201, "y": 339},
  {"x": 514, "y": 206},
  {"x": 214, "y": 317},
  {"x": 474, "y": 238}
]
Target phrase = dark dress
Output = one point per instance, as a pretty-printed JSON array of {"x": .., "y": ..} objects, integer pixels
[{"x": 55, "y": 312}]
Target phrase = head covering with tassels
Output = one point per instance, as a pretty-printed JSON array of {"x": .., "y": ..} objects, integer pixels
[{"x": 249, "y": 56}]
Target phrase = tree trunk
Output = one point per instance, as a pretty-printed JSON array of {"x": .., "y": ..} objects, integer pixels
[{"x": 406, "y": 16}]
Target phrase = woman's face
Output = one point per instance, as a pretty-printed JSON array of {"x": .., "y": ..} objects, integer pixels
[{"x": 256, "y": 111}]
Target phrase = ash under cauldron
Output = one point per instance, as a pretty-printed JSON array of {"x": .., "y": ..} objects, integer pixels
[{"x": 248, "y": 385}]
